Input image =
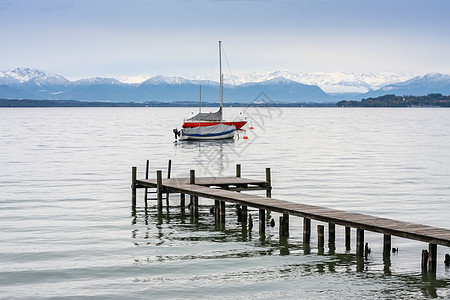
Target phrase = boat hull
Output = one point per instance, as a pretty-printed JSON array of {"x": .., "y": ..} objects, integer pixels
[
  {"x": 207, "y": 138},
  {"x": 237, "y": 124},
  {"x": 208, "y": 133}
]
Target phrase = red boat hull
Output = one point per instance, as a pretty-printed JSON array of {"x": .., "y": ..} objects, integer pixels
[{"x": 238, "y": 124}]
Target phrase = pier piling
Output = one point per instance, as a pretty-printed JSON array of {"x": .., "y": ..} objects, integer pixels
[
  {"x": 432, "y": 258},
  {"x": 194, "y": 199},
  {"x": 306, "y": 231},
  {"x": 133, "y": 187},
  {"x": 217, "y": 212},
  {"x": 347, "y": 238},
  {"x": 331, "y": 233},
  {"x": 262, "y": 222},
  {"x": 244, "y": 213},
  {"x": 222, "y": 212},
  {"x": 147, "y": 169},
  {"x": 269, "y": 184},
  {"x": 424, "y": 261},
  {"x": 159, "y": 189},
  {"x": 320, "y": 238},
  {"x": 387, "y": 244},
  {"x": 183, "y": 201},
  {"x": 359, "y": 242},
  {"x": 169, "y": 169},
  {"x": 284, "y": 226}
]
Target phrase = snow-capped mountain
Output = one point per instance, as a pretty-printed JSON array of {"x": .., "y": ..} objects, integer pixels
[
  {"x": 334, "y": 82},
  {"x": 280, "y": 86},
  {"x": 97, "y": 80},
  {"x": 28, "y": 75},
  {"x": 417, "y": 86},
  {"x": 174, "y": 80}
]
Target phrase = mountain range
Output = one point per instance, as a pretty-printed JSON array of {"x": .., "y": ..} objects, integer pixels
[{"x": 280, "y": 86}]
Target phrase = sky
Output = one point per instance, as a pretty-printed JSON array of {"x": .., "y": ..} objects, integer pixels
[{"x": 132, "y": 38}]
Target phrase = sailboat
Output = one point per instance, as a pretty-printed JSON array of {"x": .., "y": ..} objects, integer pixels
[
  {"x": 213, "y": 118},
  {"x": 218, "y": 131}
]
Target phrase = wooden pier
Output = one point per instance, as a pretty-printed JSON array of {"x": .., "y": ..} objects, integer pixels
[{"x": 228, "y": 189}]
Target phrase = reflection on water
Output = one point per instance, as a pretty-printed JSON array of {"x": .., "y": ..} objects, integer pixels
[{"x": 211, "y": 157}]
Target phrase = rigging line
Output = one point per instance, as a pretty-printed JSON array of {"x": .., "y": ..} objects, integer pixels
[{"x": 229, "y": 69}]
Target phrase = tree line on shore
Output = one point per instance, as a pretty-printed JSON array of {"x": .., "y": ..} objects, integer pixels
[{"x": 430, "y": 100}]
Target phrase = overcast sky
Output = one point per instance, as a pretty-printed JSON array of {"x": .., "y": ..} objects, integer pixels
[{"x": 108, "y": 38}]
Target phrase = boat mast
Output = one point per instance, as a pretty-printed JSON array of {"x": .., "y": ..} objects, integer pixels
[
  {"x": 200, "y": 107},
  {"x": 221, "y": 79}
]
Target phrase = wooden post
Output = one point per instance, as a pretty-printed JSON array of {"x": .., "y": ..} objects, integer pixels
[
  {"x": 348, "y": 235},
  {"x": 182, "y": 201},
  {"x": 262, "y": 222},
  {"x": 194, "y": 199},
  {"x": 359, "y": 242},
  {"x": 217, "y": 211},
  {"x": 169, "y": 168},
  {"x": 387, "y": 242},
  {"x": 280, "y": 228},
  {"x": 320, "y": 236},
  {"x": 238, "y": 207},
  {"x": 239, "y": 213},
  {"x": 244, "y": 213},
  {"x": 133, "y": 187},
  {"x": 306, "y": 231},
  {"x": 222, "y": 212},
  {"x": 159, "y": 189},
  {"x": 147, "y": 169},
  {"x": 284, "y": 226},
  {"x": 432, "y": 258},
  {"x": 424, "y": 261},
  {"x": 331, "y": 233},
  {"x": 269, "y": 184}
]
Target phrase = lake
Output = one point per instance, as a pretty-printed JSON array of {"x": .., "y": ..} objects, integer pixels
[{"x": 68, "y": 230}]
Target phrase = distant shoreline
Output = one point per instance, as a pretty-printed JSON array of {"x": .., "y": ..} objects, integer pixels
[
  {"x": 75, "y": 103},
  {"x": 431, "y": 100}
]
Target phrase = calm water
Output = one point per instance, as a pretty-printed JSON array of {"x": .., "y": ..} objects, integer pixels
[{"x": 68, "y": 230}]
